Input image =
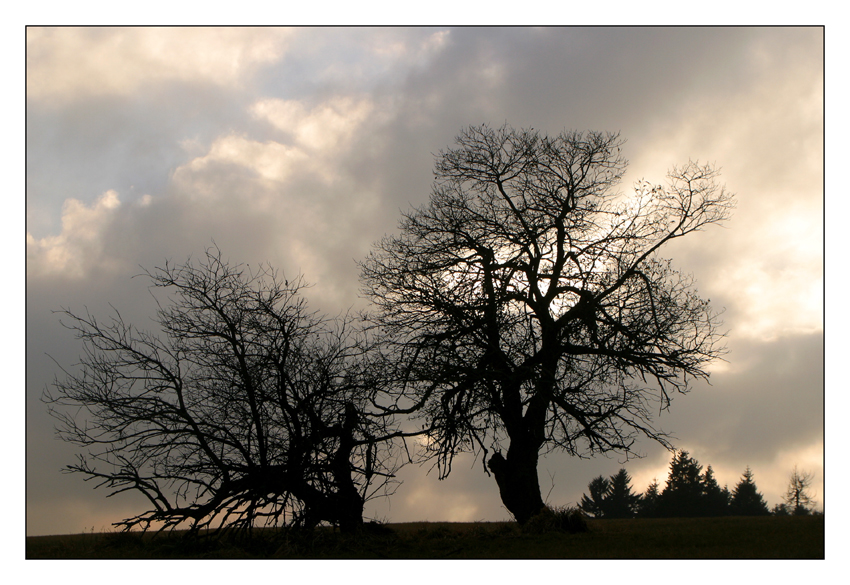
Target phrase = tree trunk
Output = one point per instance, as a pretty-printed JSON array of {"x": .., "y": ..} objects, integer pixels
[
  {"x": 343, "y": 509},
  {"x": 516, "y": 476},
  {"x": 349, "y": 502},
  {"x": 350, "y": 513},
  {"x": 340, "y": 503}
]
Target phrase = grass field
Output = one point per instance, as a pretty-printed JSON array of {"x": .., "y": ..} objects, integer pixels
[{"x": 679, "y": 538}]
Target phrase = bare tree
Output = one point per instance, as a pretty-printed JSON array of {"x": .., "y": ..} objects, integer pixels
[
  {"x": 528, "y": 308},
  {"x": 244, "y": 407},
  {"x": 797, "y": 498}
]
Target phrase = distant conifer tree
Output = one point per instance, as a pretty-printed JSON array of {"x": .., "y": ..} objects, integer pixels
[
  {"x": 620, "y": 502},
  {"x": 746, "y": 499},
  {"x": 683, "y": 493},
  {"x": 594, "y": 505},
  {"x": 715, "y": 499},
  {"x": 648, "y": 506}
]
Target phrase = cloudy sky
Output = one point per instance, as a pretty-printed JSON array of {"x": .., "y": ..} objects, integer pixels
[{"x": 300, "y": 147}]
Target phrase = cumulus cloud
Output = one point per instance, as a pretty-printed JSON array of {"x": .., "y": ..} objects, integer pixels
[
  {"x": 299, "y": 189},
  {"x": 80, "y": 246},
  {"x": 777, "y": 295},
  {"x": 763, "y": 126},
  {"x": 270, "y": 160},
  {"x": 71, "y": 63},
  {"x": 325, "y": 127},
  {"x": 313, "y": 141}
]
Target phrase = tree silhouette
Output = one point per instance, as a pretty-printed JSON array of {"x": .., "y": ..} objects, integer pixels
[
  {"x": 648, "y": 504},
  {"x": 594, "y": 504},
  {"x": 243, "y": 407},
  {"x": 683, "y": 494},
  {"x": 780, "y": 509},
  {"x": 797, "y": 497},
  {"x": 715, "y": 499},
  {"x": 620, "y": 501},
  {"x": 746, "y": 499},
  {"x": 610, "y": 498},
  {"x": 527, "y": 308}
]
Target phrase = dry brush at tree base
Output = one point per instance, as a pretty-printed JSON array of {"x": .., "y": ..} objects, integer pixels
[{"x": 789, "y": 537}]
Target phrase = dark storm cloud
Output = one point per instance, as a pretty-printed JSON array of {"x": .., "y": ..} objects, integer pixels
[
  {"x": 575, "y": 78},
  {"x": 771, "y": 398}
]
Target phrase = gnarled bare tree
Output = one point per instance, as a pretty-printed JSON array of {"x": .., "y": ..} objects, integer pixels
[
  {"x": 527, "y": 306},
  {"x": 244, "y": 407}
]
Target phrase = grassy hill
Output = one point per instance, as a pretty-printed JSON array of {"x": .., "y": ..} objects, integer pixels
[{"x": 675, "y": 538}]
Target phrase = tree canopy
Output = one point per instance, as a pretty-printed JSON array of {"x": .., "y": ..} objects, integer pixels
[
  {"x": 242, "y": 407},
  {"x": 611, "y": 498},
  {"x": 527, "y": 306},
  {"x": 715, "y": 499},
  {"x": 798, "y": 500},
  {"x": 683, "y": 493},
  {"x": 746, "y": 499},
  {"x": 648, "y": 505},
  {"x": 621, "y": 502},
  {"x": 594, "y": 504}
]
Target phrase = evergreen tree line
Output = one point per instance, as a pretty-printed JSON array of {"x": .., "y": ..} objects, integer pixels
[{"x": 691, "y": 492}]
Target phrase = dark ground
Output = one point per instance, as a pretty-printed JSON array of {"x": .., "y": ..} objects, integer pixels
[{"x": 677, "y": 538}]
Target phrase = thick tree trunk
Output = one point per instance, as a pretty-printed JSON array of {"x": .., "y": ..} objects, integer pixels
[
  {"x": 349, "y": 502},
  {"x": 350, "y": 513},
  {"x": 342, "y": 505},
  {"x": 516, "y": 476},
  {"x": 343, "y": 509}
]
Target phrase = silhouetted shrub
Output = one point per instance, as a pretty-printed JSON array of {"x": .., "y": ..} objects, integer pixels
[{"x": 564, "y": 519}]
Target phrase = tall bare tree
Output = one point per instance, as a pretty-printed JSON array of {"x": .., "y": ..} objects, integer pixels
[
  {"x": 242, "y": 407},
  {"x": 528, "y": 308},
  {"x": 797, "y": 498}
]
